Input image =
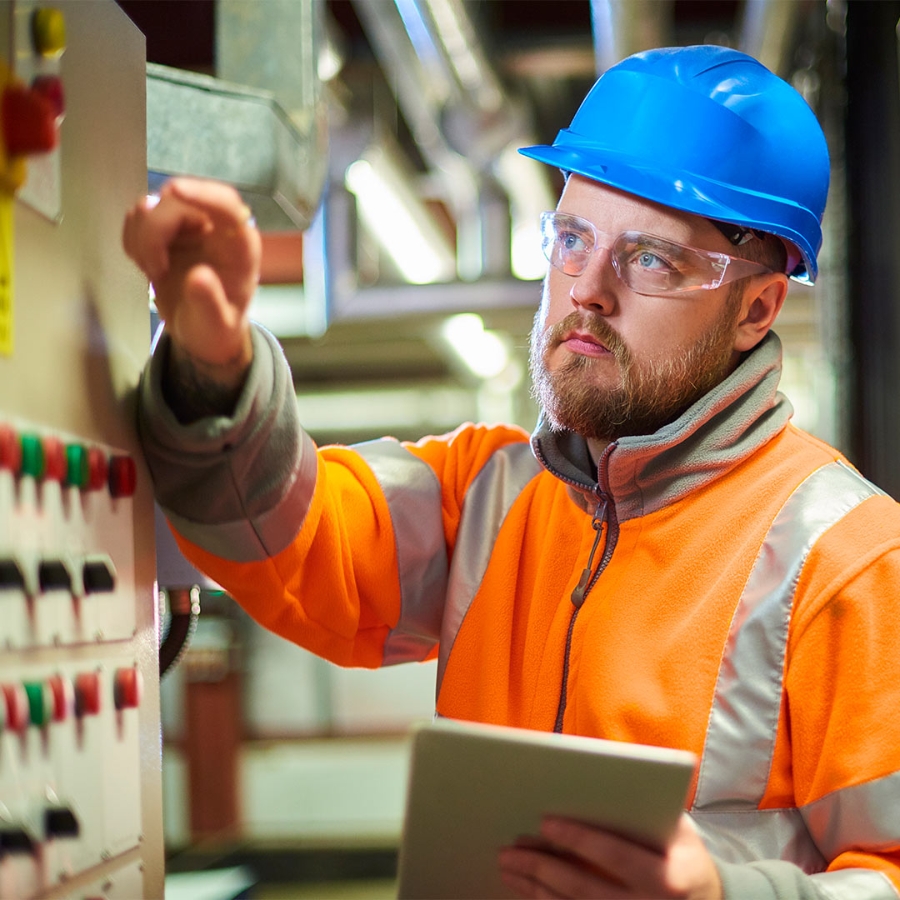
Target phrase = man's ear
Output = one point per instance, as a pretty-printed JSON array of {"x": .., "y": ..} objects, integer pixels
[{"x": 760, "y": 306}]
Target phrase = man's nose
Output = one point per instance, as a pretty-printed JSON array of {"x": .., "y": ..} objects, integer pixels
[{"x": 596, "y": 287}]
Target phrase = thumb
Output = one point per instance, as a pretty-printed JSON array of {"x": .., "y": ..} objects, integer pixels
[{"x": 205, "y": 324}]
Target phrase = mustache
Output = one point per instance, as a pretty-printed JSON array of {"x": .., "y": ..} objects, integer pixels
[{"x": 596, "y": 326}]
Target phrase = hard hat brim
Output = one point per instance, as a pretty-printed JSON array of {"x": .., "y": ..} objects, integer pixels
[{"x": 690, "y": 193}]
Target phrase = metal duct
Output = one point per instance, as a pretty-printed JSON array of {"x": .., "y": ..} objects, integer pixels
[{"x": 261, "y": 125}]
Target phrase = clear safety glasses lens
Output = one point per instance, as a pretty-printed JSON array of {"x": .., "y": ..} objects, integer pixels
[{"x": 644, "y": 262}]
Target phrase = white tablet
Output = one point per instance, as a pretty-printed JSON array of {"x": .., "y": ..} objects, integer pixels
[{"x": 475, "y": 788}]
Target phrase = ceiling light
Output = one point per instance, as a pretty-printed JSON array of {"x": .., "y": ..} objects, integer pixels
[
  {"x": 483, "y": 352},
  {"x": 398, "y": 220}
]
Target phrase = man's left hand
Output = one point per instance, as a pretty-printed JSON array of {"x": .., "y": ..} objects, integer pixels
[{"x": 572, "y": 859}]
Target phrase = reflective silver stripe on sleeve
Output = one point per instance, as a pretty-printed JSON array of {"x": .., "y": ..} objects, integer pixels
[
  {"x": 854, "y": 884},
  {"x": 488, "y": 499},
  {"x": 413, "y": 495},
  {"x": 740, "y": 739},
  {"x": 746, "y": 836},
  {"x": 865, "y": 815},
  {"x": 739, "y": 836}
]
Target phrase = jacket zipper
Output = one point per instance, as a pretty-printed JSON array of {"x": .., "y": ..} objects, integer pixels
[{"x": 604, "y": 513}]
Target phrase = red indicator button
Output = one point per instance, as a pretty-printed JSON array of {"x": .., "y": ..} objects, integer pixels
[
  {"x": 29, "y": 122},
  {"x": 87, "y": 694},
  {"x": 128, "y": 688},
  {"x": 122, "y": 476},
  {"x": 54, "y": 459},
  {"x": 50, "y": 87},
  {"x": 10, "y": 450},
  {"x": 18, "y": 712},
  {"x": 63, "y": 697},
  {"x": 98, "y": 469}
]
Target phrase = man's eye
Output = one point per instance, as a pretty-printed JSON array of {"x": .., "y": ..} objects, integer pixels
[
  {"x": 572, "y": 242},
  {"x": 648, "y": 260}
]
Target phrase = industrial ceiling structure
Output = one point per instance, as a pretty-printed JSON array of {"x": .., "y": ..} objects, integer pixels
[{"x": 440, "y": 93}]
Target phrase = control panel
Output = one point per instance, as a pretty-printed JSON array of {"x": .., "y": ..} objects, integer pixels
[{"x": 80, "y": 749}]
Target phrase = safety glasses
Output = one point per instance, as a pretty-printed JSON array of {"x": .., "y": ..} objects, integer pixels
[{"x": 644, "y": 262}]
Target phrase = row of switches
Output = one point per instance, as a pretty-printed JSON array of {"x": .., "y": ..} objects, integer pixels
[
  {"x": 94, "y": 574},
  {"x": 58, "y": 822}
]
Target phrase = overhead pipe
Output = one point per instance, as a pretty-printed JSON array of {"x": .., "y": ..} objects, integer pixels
[
  {"x": 461, "y": 118},
  {"x": 623, "y": 27}
]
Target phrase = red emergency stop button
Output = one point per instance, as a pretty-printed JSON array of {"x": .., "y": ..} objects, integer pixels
[
  {"x": 128, "y": 687},
  {"x": 87, "y": 694},
  {"x": 18, "y": 712},
  {"x": 29, "y": 121},
  {"x": 122, "y": 476},
  {"x": 55, "y": 464},
  {"x": 63, "y": 692},
  {"x": 98, "y": 469},
  {"x": 10, "y": 450},
  {"x": 50, "y": 87}
]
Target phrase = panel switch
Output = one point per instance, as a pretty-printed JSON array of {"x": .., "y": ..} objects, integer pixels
[
  {"x": 87, "y": 694},
  {"x": 128, "y": 686},
  {"x": 15, "y": 839},
  {"x": 99, "y": 575},
  {"x": 11, "y": 576},
  {"x": 61, "y": 822},
  {"x": 54, "y": 575}
]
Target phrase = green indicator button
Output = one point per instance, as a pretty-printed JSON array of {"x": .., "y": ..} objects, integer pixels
[
  {"x": 76, "y": 466},
  {"x": 40, "y": 703},
  {"x": 32, "y": 456}
]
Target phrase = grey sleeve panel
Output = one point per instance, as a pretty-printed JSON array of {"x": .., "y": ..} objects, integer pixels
[
  {"x": 765, "y": 880},
  {"x": 239, "y": 486},
  {"x": 773, "y": 879}
]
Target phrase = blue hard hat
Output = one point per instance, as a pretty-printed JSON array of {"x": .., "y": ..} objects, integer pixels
[{"x": 706, "y": 130}]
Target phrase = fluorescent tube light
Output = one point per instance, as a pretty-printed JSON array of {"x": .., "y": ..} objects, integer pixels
[
  {"x": 398, "y": 220},
  {"x": 483, "y": 352}
]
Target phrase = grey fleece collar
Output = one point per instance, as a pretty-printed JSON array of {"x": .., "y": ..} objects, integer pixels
[{"x": 723, "y": 428}]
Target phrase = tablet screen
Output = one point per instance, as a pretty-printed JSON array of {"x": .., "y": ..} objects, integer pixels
[{"x": 476, "y": 788}]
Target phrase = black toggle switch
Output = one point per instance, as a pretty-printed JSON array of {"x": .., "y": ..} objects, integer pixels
[
  {"x": 99, "y": 575},
  {"x": 11, "y": 576},
  {"x": 60, "y": 822},
  {"x": 54, "y": 576},
  {"x": 15, "y": 839}
]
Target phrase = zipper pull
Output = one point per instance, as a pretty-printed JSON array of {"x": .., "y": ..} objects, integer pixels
[
  {"x": 583, "y": 582},
  {"x": 581, "y": 587}
]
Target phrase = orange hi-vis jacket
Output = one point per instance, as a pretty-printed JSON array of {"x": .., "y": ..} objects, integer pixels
[{"x": 728, "y": 585}]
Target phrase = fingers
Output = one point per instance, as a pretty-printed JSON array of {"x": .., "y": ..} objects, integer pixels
[
  {"x": 540, "y": 873},
  {"x": 620, "y": 860},
  {"x": 219, "y": 201},
  {"x": 152, "y": 225},
  {"x": 184, "y": 208},
  {"x": 207, "y": 326},
  {"x": 572, "y": 859}
]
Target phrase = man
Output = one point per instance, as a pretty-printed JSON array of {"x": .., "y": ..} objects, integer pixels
[{"x": 667, "y": 562}]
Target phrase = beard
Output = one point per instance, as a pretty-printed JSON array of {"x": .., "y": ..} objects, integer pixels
[{"x": 650, "y": 393}]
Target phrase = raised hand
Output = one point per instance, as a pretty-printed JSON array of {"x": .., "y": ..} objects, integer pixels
[{"x": 197, "y": 244}]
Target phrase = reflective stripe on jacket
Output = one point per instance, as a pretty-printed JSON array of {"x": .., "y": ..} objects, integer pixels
[{"x": 727, "y": 585}]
